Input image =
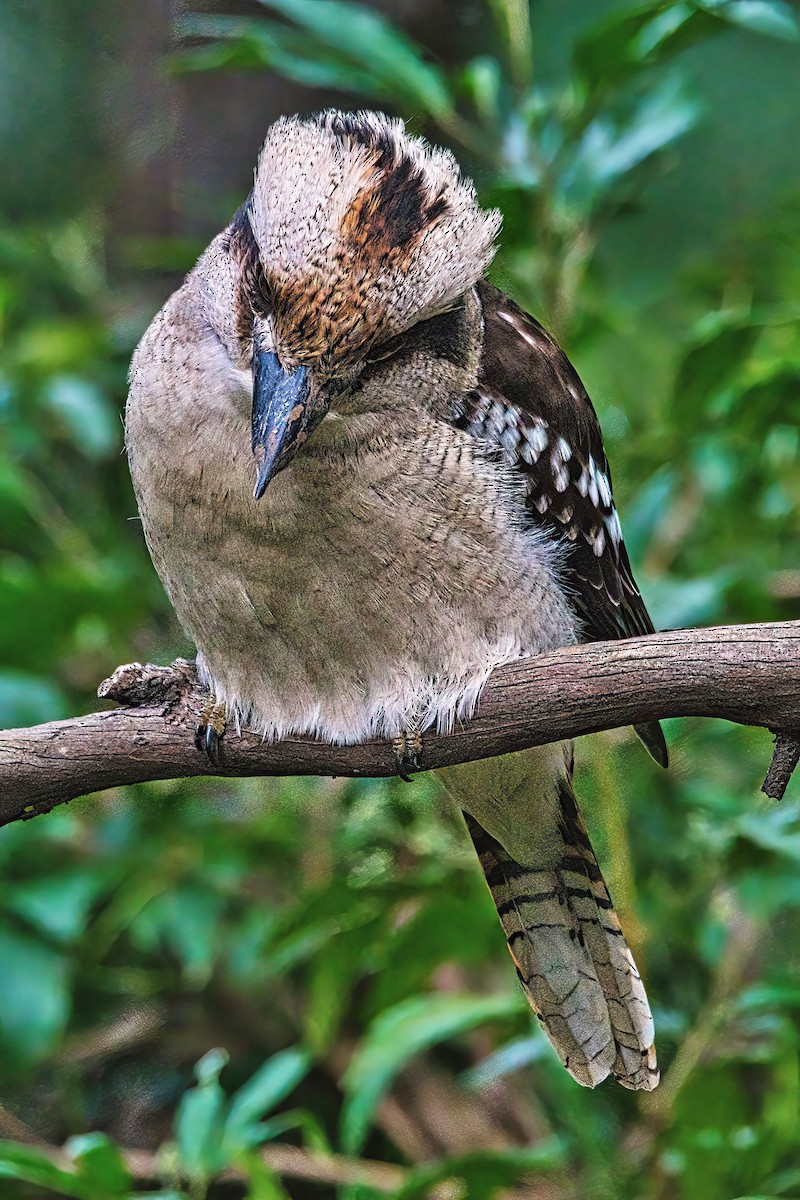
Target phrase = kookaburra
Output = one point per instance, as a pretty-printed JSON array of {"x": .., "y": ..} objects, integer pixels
[{"x": 432, "y": 499}]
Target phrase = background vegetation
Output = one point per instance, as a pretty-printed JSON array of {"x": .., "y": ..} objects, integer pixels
[{"x": 197, "y": 977}]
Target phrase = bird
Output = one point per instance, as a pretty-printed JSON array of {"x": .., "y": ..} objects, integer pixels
[{"x": 367, "y": 478}]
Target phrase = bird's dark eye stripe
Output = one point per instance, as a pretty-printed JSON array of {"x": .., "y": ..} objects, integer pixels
[
  {"x": 439, "y": 336},
  {"x": 255, "y": 294}
]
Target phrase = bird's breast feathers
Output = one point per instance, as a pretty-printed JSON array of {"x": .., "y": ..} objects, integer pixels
[{"x": 374, "y": 587}]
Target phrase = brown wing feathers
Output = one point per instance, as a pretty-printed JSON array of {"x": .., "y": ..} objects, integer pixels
[{"x": 531, "y": 403}]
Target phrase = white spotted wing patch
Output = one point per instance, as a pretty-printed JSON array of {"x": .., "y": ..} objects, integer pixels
[
  {"x": 489, "y": 416},
  {"x": 527, "y": 442},
  {"x": 530, "y": 405}
]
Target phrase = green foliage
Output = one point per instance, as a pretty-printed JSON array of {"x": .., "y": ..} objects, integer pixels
[
  {"x": 338, "y": 45},
  {"x": 99, "y": 1173},
  {"x": 71, "y": 579},
  {"x": 335, "y": 937},
  {"x": 565, "y": 159},
  {"x": 212, "y": 1131},
  {"x": 396, "y": 1036}
]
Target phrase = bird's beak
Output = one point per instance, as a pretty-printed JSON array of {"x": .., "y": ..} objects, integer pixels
[{"x": 282, "y": 419}]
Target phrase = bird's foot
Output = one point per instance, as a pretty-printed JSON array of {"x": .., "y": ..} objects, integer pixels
[
  {"x": 210, "y": 729},
  {"x": 407, "y": 748}
]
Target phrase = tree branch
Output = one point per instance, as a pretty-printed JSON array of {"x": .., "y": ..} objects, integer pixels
[{"x": 744, "y": 673}]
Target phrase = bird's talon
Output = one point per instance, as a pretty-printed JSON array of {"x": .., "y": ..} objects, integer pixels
[
  {"x": 212, "y": 745},
  {"x": 407, "y": 749},
  {"x": 210, "y": 731}
]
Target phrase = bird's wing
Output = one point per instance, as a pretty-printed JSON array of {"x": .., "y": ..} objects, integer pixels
[{"x": 530, "y": 402}]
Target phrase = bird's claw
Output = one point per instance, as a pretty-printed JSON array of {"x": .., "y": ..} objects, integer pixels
[
  {"x": 407, "y": 748},
  {"x": 210, "y": 730}
]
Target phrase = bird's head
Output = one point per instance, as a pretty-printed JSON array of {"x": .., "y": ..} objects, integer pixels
[{"x": 354, "y": 232}]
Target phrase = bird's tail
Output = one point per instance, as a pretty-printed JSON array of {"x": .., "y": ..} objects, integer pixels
[{"x": 565, "y": 939}]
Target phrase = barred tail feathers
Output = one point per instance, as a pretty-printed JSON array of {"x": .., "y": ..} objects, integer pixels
[{"x": 565, "y": 939}]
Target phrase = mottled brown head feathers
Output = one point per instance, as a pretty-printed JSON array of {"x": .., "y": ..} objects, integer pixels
[{"x": 353, "y": 232}]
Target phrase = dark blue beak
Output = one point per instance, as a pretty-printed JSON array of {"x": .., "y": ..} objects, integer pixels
[{"x": 281, "y": 415}]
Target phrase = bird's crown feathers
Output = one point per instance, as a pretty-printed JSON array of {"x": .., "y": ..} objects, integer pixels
[{"x": 361, "y": 230}]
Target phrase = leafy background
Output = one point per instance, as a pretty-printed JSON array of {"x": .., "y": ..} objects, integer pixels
[{"x": 299, "y": 988}]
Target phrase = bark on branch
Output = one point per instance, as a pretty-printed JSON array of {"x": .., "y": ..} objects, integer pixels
[{"x": 744, "y": 673}]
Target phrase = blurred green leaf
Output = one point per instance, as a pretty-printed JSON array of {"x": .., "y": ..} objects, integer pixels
[
  {"x": 343, "y": 46},
  {"x": 514, "y": 1056},
  {"x": 365, "y": 37},
  {"x": 188, "y": 920},
  {"x": 650, "y": 34},
  {"x": 199, "y": 1119},
  {"x": 484, "y": 1172},
  {"x": 167, "y": 1195},
  {"x": 100, "y": 1165},
  {"x": 776, "y": 829},
  {"x": 645, "y": 35},
  {"x": 683, "y": 603},
  {"x": 770, "y": 17},
  {"x": 35, "y": 996},
  {"x": 92, "y": 423},
  {"x": 716, "y": 356},
  {"x": 273, "y": 1082},
  {"x": 262, "y": 1183},
  {"x": 33, "y": 1166},
  {"x": 57, "y": 903},
  {"x": 606, "y": 153},
  {"x": 27, "y": 700},
  {"x": 251, "y": 42},
  {"x": 99, "y": 1174},
  {"x": 482, "y": 81},
  {"x": 400, "y": 1033}
]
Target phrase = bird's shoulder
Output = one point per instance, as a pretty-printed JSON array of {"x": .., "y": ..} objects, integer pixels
[{"x": 530, "y": 403}]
